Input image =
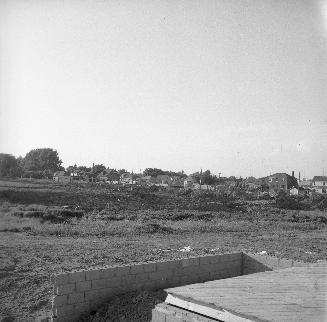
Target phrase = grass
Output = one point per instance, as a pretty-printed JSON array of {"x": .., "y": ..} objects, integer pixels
[{"x": 47, "y": 221}]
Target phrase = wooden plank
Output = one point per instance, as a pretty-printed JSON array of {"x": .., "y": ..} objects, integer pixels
[
  {"x": 206, "y": 310},
  {"x": 292, "y": 294}
]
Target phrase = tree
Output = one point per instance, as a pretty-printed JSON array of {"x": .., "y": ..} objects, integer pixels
[
  {"x": 153, "y": 172},
  {"x": 9, "y": 166},
  {"x": 113, "y": 175},
  {"x": 98, "y": 168},
  {"x": 206, "y": 177},
  {"x": 42, "y": 161},
  {"x": 121, "y": 171}
]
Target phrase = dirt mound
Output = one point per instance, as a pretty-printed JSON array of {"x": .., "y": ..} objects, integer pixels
[{"x": 135, "y": 306}]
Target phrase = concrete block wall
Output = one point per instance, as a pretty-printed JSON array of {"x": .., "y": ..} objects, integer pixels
[
  {"x": 255, "y": 263},
  {"x": 166, "y": 313},
  {"x": 77, "y": 293}
]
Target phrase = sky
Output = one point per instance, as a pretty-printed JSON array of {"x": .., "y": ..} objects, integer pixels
[{"x": 235, "y": 86}]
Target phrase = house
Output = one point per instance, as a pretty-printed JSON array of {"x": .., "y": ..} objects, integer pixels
[
  {"x": 177, "y": 182},
  {"x": 280, "y": 181},
  {"x": 61, "y": 177},
  {"x": 250, "y": 183},
  {"x": 76, "y": 176},
  {"x": 305, "y": 184},
  {"x": 147, "y": 180},
  {"x": 163, "y": 180},
  {"x": 102, "y": 176},
  {"x": 197, "y": 186},
  {"x": 189, "y": 182},
  {"x": 319, "y": 184},
  {"x": 126, "y": 178}
]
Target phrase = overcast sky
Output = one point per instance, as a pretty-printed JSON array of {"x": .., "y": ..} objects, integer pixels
[{"x": 237, "y": 87}]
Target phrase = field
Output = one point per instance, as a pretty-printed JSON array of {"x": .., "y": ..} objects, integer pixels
[{"x": 47, "y": 228}]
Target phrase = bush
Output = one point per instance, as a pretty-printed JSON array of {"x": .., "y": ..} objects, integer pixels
[
  {"x": 52, "y": 215},
  {"x": 153, "y": 227}
]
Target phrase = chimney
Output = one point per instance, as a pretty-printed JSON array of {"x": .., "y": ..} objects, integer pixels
[{"x": 293, "y": 174}]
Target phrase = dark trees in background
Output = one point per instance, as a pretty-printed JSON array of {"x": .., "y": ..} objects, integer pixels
[
  {"x": 113, "y": 175},
  {"x": 98, "y": 168},
  {"x": 41, "y": 163},
  {"x": 78, "y": 169},
  {"x": 9, "y": 165},
  {"x": 154, "y": 172},
  {"x": 206, "y": 177}
]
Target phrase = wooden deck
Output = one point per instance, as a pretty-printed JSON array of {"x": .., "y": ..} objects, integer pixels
[{"x": 293, "y": 294}]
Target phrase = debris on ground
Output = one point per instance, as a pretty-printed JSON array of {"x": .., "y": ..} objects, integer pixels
[{"x": 186, "y": 249}]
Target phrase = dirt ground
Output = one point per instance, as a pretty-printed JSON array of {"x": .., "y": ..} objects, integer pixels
[
  {"x": 28, "y": 261},
  {"x": 40, "y": 236}
]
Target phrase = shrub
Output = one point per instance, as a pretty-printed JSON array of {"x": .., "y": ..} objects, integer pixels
[{"x": 153, "y": 227}]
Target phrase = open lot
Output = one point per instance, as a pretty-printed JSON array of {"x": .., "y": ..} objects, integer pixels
[{"x": 47, "y": 228}]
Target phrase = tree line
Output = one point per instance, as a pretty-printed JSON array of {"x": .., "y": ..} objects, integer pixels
[
  {"x": 37, "y": 163},
  {"x": 42, "y": 163}
]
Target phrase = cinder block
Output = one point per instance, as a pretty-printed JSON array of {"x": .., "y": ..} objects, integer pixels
[
  {"x": 107, "y": 273},
  {"x": 64, "y": 289},
  {"x": 93, "y": 274},
  {"x": 122, "y": 270},
  {"x": 190, "y": 270},
  {"x": 91, "y": 296},
  {"x": 137, "y": 269},
  {"x": 76, "y": 297},
  {"x": 150, "y": 285},
  {"x": 169, "y": 265},
  {"x": 77, "y": 277},
  {"x": 150, "y": 267},
  {"x": 192, "y": 261},
  {"x": 82, "y": 308},
  {"x": 128, "y": 279},
  {"x": 161, "y": 284},
  {"x": 173, "y": 281},
  {"x": 113, "y": 282},
  {"x": 60, "y": 300},
  {"x": 59, "y": 279},
  {"x": 62, "y": 311},
  {"x": 107, "y": 293},
  {"x": 83, "y": 286},
  {"x": 212, "y": 259},
  {"x": 97, "y": 284},
  {"x": 188, "y": 279},
  {"x": 158, "y": 315},
  {"x": 142, "y": 277},
  {"x": 159, "y": 275}
]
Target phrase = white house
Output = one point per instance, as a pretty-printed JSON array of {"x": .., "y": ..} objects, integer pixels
[{"x": 319, "y": 184}]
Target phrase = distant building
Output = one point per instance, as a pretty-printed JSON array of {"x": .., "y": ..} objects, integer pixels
[
  {"x": 127, "y": 178},
  {"x": 305, "y": 184},
  {"x": 189, "y": 182},
  {"x": 250, "y": 183},
  {"x": 280, "y": 181},
  {"x": 319, "y": 184},
  {"x": 163, "y": 180},
  {"x": 147, "y": 180},
  {"x": 294, "y": 191},
  {"x": 76, "y": 176},
  {"x": 61, "y": 177}
]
